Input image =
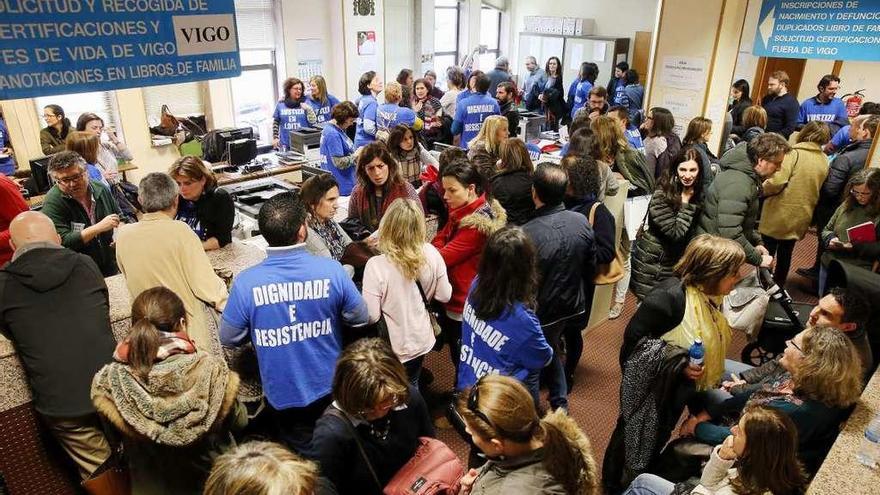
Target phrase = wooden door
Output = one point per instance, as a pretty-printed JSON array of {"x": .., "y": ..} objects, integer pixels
[
  {"x": 641, "y": 54},
  {"x": 794, "y": 67}
]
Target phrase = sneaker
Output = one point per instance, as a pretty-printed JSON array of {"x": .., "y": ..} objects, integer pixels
[
  {"x": 615, "y": 311},
  {"x": 811, "y": 273}
]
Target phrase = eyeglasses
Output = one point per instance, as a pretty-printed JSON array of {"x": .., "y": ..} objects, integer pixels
[
  {"x": 47, "y": 116},
  {"x": 791, "y": 343},
  {"x": 860, "y": 194},
  {"x": 73, "y": 179}
]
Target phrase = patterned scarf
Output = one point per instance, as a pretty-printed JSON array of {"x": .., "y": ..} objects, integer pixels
[
  {"x": 170, "y": 344},
  {"x": 329, "y": 232}
]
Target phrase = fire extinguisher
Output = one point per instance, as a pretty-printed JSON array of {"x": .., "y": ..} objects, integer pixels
[{"x": 853, "y": 103}]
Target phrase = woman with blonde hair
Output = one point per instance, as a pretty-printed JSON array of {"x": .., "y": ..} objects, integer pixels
[
  {"x": 400, "y": 282},
  {"x": 86, "y": 144},
  {"x": 493, "y": 132},
  {"x": 174, "y": 405},
  {"x": 791, "y": 195},
  {"x": 511, "y": 184},
  {"x": 759, "y": 456},
  {"x": 207, "y": 209},
  {"x": 373, "y": 426},
  {"x": 687, "y": 307},
  {"x": 263, "y": 468},
  {"x": 320, "y": 100},
  {"x": 824, "y": 378},
  {"x": 526, "y": 454},
  {"x": 754, "y": 123}
]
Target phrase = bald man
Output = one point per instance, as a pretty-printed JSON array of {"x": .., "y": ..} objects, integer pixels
[{"x": 54, "y": 307}]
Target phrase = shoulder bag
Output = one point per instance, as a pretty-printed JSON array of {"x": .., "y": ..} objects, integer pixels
[
  {"x": 434, "y": 469},
  {"x": 432, "y": 315},
  {"x": 608, "y": 273}
]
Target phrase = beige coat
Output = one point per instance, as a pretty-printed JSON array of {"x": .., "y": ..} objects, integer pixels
[
  {"x": 159, "y": 251},
  {"x": 792, "y": 193}
]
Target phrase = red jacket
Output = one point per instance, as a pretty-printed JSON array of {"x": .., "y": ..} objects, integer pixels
[
  {"x": 11, "y": 204},
  {"x": 461, "y": 242}
]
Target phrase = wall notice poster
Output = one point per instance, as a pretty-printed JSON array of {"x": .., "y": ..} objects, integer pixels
[
  {"x": 74, "y": 46},
  {"x": 833, "y": 29},
  {"x": 683, "y": 72},
  {"x": 366, "y": 42}
]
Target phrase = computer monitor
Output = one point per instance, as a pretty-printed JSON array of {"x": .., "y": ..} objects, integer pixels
[
  {"x": 40, "y": 175},
  {"x": 227, "y": 136},
  {"x": 241, "y": 151}
]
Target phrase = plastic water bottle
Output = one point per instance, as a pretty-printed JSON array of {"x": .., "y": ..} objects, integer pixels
[
  {"x": 869, "y": 452},
  {"x": 696, "y": 353}
]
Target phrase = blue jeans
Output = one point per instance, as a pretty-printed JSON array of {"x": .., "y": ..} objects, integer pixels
[
  {"x": 649, "y": 484},
  {"x": 554, "y": 372},
  {"x": 717, "y": 396},
  {"x": 532, "y": 384}
]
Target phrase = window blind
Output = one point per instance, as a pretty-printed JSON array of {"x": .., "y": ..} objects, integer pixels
[
  {"x": 182, "y": 99},
  {"x": 255, "y": 22},
  {"x": 102, "y": 103}
]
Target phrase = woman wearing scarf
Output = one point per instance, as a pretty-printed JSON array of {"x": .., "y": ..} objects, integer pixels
[
  {"x": 173, "y": 405},
  {"x": 379, "y": 184}
]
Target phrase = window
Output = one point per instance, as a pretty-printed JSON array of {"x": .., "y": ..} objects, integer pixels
[
  {"x": 446, "y": 17},
  {"x": 490, "y": 35},
  {"x": 255, "y": 91},
  {"x": 183, "y": 100},
  {"x": 102, "y": 103}
]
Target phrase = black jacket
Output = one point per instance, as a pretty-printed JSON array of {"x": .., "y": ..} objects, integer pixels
[
  {"x": 216, "y": 213},
  {"x": 514, "y": 191},
  {"x": 509, "y": 110},
  {"x": 54, "y": 307},
  {"x": 782, "y": 113},
  {"x": 850, "y": 160},
  {"x": 603, "y": 226},
  {"x": 737, "y": 109},
  {"x": 566, "y": 260},
  {"x": 661, "y": 311}
]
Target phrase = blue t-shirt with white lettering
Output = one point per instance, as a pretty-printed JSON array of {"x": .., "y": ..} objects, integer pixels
[
  {"x": 580, "y": 96},
  {"x": 620, "y": 97},
  {"x": 511, "y": 345},
  {"x": 832, "y": 113},
  {"x": 188, "y": 213},
  {"x": 367, "y": 105},
  {"x": 289, "y": 119},
  {"x": 322, "y": 110},
  {"x": 291, "y": 307},
  {"x": 470, "y": 114},
  {"x": 635, "y": 138},
  {"x": 534, "y": 152},
  {"x": 389, "y": 115},
  {"x": 334, "y": 142}
]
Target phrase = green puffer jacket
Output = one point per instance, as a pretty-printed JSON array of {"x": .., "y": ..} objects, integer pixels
[
  {"x": 660, "y": 246},
  {"x": 633, "y": 166},
  {"x": 730, "y": 209}
]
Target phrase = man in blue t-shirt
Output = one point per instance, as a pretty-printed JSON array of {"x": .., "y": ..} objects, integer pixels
[
  {"x": 841, "y": 137},
  {"x": 473, "y": 110},
  {"x": 825, "y": 107},
  {"x": 620, "y": 115},
  {"x": 292, "y": 307}
]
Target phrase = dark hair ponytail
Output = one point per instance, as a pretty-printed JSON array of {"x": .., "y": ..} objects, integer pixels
[
  {"x": 154, "y": 310},
  {"x": 65, "y": 122}
]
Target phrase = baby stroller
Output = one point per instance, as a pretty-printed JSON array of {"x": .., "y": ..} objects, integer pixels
[{"x": 782, "y": 320}]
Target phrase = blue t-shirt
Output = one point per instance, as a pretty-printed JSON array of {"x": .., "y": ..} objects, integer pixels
[
  {"x": 334, "y": 142},
  {"x": 290, "y": 306},
  {"x": 580, "y": 96},
  {"x": 7, "y": 165},
  {"x": 367, "y": 105},
  {"x": 188, "y": 213},
  {"x": 96, "y": 175},
  {"x": 470, "y": 114},
  {"x": 841, "y": 138},
  {"x": 322, "y": 110},
  {"x": 635, "y": 138},
  {"x": 510, "y": 345},
  {"x": 619, "y": 97},
  {"x": 289, "y": 119},
  {"x": 832, "y": 113},
  {"x": 564, "y": 150},
  {"x": 462, "y": 95},
  {"x": 389, "y": 115},
  {"x": 534, "y": 152}
]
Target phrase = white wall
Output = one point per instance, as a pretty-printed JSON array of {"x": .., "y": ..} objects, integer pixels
[
  {"x": 400, "y": 41},
  {"x": 621, "y": 18},
  {"x": 746, "y": 63}
]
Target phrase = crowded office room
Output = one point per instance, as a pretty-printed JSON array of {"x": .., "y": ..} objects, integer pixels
[{"x": 253, "y": 247}]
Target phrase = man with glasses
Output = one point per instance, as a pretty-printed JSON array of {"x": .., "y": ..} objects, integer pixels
[
  {"x": 842, "y": 309},
  {"x": 850, "y": 160},
  {"x": 83, "y": 211},
  {"x": 731, "y": 204}
]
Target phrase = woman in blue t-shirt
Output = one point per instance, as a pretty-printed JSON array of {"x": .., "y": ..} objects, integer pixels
[
  {"x": 337, "y": 150},
  {"x": 322, "y": 101},
  {"x": 369, "y": 86},
  {"x": 586, "y": 79},
  {"x": 291, "y": 113},
  {"x": 500, "y": 333},
  {"x": 7, "y": 162}
]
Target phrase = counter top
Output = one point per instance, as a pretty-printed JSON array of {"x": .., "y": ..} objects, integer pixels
[
  {"x": 228, "y": 262},
  {"x": 841, "y": 472}
]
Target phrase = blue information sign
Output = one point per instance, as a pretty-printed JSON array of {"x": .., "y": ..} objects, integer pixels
[
  {"x": 832, "y": 29},
  {"x": 50, "y": 47}
]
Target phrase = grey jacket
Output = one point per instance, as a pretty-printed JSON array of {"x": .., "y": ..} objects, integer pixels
[{"x": 849, "y": 161}]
